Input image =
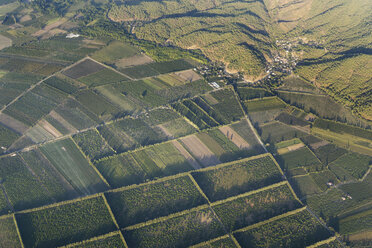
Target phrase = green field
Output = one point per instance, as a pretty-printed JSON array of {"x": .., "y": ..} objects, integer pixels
[
  {"x": 275, "y": 132},
  {"x": 92, "y": 144},
  {"x": 304, "y": 185},
  {"x": 7, "y": 137},
  {"x": 23, "y": 189},
  {"x": 71, "y": 163},
  {"x": 180, "y": 231},
  {"x": 228, "y": 105},
  {"x": 8, "y": 233},
  {"x": 296, "y": 230},
  {"x": 324, "y": 177},
  {"x": 65, "y": 223},
  {"x": 50, "y": 177},
  {"x": 350, "y": 166},
  {"x": 114, "y": 51},
  {"x": 248, "y": 209},
  {"x": 105, "y": 76},
  {"x": 61, "y": 84},
  {"x": 329, "y": 153},
  {"x": 140, "y": 71},
  {"x": 356, "y": 223},
  {"x": 248, "y": 93},
  {"x": 264, "y": 104},
  {"x": 142, "y": 203},
  {"x": 302, "y": 157},
  {"x": 179, "y": 127},
  {"x": 110, "y": 240},
  {"x": 220, "y": 242},
  {"x": 237, "y": 177}
]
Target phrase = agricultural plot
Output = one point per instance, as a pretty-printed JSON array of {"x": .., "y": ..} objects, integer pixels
[
  {"x": 117, "y": 139},
  {"x": 93, "y": 145},
  {"x": 23, "y": 189},
  {"x": 20, "y": 65},
  {"x": 110, "y": 240},
  {"x": 237, "y": 177},
  {"x": 227, "y": 106},
  {"x": 40, "y": 134},
  {"x": 7, "y": 137},
  {"x": 83, "y": 68},
  {"x": 140, "y": 71},
  {"x": 224, "y": 241},
  {"x": 356, "y": 223},
  {"x": 4, "y": 206},
  {"x": 190, "y": 228},
  {"x": 329, "y": 153},
  {"x": 149, "y": 201},
  {"x": 265, "y": 104},
  {"x": 251, "y": 208},
  {"x": 299, "y": 229},
  {"x": 304, "y": 186},
  {"x": 135, "y": 60},
  {"x": 275, "y": 132},
  {"x": 200, "y": 151},
  {"x": 59, "y": 123},
  {"x": 114, "y": 51},
  {"x": 262, "y": 117},
  {"x": 172, "y": 66},
  {"x": 188, "y": 75},
  {"x": 102, "y": 77},
  {"x": 323, "y": 178},
  {"x": 8, "y": 233},
  {"x": 351, "y": 166},
  {"x": 70, "y": 162},
  {"x": 301, "y": 157},
  {"x": 177, "y": 128},
  {"x": 65, "y": 223},
  {"x": 291, "y": 120},
  {"x": 249, "y": 93},
  {"x": 97, "y": 104},
  {"x": 62, "y": 84},
  {"x": 72, "y": 115}
]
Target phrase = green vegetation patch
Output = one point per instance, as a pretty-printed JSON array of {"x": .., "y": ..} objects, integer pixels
[
  {"x": 329, "y": 153},
  {"x": 96, "y": 104},
  {"x": 276, "y": 132},
  {"x": 140, "y": 71},
  {"x": 8, "y": 233},
  {"x": 83, "y": 68},
  {"x": 296, "y": 230},
  {"x": 150, "y": 201},
  {"x": 246, "y": 210},
  {"x": 7, "y": 137},
  {"x": 114, "y": 51},
  {"x": 61, "y": 84},
  {"x": 353, "y": 164},
  {"x": 238, "y": 177},
  {"x": 23, "y": 189},
  {"x": 248, "y": 93},
  {"x": 264, "y": 104},
  {"x": 228, "y": 106},
  {"x": 70, "y": 162},
  {"x": 304, "y": 185},
  {"x": 323, "y": 178},
  {"x": 103, "y": 241},
  {"x": 92, "y": 144},
  {"x": 356, "y": 223},
  {"x": 102, "y": 77},
  {"x": 65, "y": 223},
  {"x": 302, "y": 157},
  {"x": 181, "y": 231},
  {"x": 220, "y": 242}
]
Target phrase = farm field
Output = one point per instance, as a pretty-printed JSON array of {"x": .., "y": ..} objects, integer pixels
[
  {"x": 250, "y": 208},
  {"x": 114, "y": 52},
  {"x": 70, "y": 162},
  {"x": 224, "y": 241},
  {"x": 264, "y": 104},
  {"x": 302, "y": 157},
  {"x": 149, "y": 201},
  {"x": 249, "y": 93},
  {"x": 351, "y": 166},
  {"x": 65, "y": 223},
  {"x": 304, "y": 185},
  {"x": 237, "y": 177},
  {"x": 299, "y": 229},
  {"x": 109, "y": 240},
  {"x": 102, "y": 77},
  {"x": 8, "y": 232},
  {"x": 83, "y": 68},
  {"x": 276, "y": 131},
  {"x": 190, "y": 228}
]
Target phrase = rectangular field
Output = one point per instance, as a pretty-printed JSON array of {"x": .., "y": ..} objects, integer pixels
[
  {"x": 302, "y": 157},
  {"x": 83, "y": 68},
  {"x": 8, "y": 233},
  {"x": 247, "y": 209},
  {"x": 190, "y": 228},
  {"x": 65, "y": 223},
  {"x": 300, "y": 229},
  {"x": 105, "y": 76},
  {"x": 276, "y": 131},
  {"x": 238, "y": 177},
  {"x": 108, "y": 240},
  {"x": 264, "y": 104},
  {"x": 70, "y": 162},
  {"x": 161, "y": 198}
]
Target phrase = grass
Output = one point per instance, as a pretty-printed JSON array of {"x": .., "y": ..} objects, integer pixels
[
  {"x": 23, "y": 189},
  {"x": 237, "y": 177},
  {"x": 264, "y": 104},
  {"x": 159, "y": 116},
  {"x": 92, "y": 144},
  {"x": 71, "y": 163},
  {"x": 180, "y": 231},
  {"x": 248, "y": 209},
  {"x": 296, "y": 230},
  {"x": 142, "y": 203},
  {"x": 8, "y": 232},
  {"x": 105, "y": 76},
  {"x": 65, "y": 223}
]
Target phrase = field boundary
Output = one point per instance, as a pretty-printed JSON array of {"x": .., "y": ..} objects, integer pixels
[
  {"x": 110, "y": 211},
  {"x": 17, "y": 229},
  {"x": 322, "y": 242},
  {"x": 107, "y": 235}
]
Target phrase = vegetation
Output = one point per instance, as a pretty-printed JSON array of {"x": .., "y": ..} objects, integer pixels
[
  {"x": 264, "y": 104},
  {"x": 248, "y": 93},
  {"x": 8, "y": 232},
  {"x": 302, "y": 157},
  {"x": 65, "y": 223},
  {"x": 237, "y": 177},
  {"x": 139, "y": 204}
]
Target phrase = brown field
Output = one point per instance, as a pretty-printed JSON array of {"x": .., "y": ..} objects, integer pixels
[
  {"x": 186, "y": 154},
  {"x": 165, "y": 131},
  {"x": 48, "y": 127},
  {"x": 5, "y": 42},
  {"x": 139, "y": 59},
  {"x": 235, "y": 137},
  {"x": 52, "y": 33},
  {"x": 12, "y": 123},
  {"x": 25, "y": 18},
  {"x": 366, "y": 235},
  {"x": 188, "y": 75},
  {"x": 290, "y": 148},
  {"x": 200, "y": 151},
  {"x": 319, "y": 144}
]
